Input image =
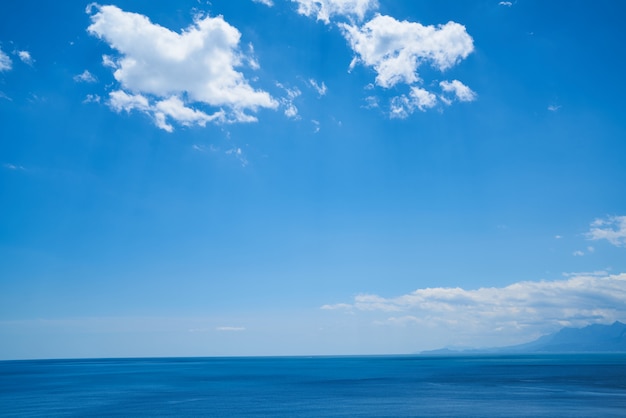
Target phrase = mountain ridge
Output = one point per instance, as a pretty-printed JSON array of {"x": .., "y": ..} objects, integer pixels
[{"x": 595, "y": 338}]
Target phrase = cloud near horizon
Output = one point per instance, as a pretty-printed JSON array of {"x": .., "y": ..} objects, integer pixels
[
  {"x": 176, "y": 76},
  {"x": 529, "y": 306}
]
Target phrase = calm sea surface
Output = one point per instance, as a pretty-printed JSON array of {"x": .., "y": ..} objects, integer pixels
[{"x": 411, "y": 386}]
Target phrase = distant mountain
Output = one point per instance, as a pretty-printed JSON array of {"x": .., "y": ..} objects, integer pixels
[{"x": 595, "y": 338}]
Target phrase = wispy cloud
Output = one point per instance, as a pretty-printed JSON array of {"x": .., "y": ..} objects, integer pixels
[
  {"x": 505, "y": 3},
  {"x": 323, "y": 10},
  {"x": 320, "y": 88},
  {"x": 92, "y": 98},
  {"x": 291, "y": 111},
  {"x": 167, "y": 74},
  {"x": 5, "y": 61},
  {"x": 231, "y": 329},
  {"x": 13, "y": 167},
  {"x": 238, "y": 154},
  {"x": 611, "y": 228},
  {"x": 268, "y": 3},
  {"x": 204, "y": 148},
  {"x": 554, "y": 108},
  {"x": 85, "y": 77},
  {"x": 578, "y": 300}
]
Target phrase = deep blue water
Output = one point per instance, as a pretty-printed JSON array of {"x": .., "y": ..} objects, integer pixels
[{"x": 393, "y": 386}]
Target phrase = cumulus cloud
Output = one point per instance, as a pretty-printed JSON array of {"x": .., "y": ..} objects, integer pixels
[
  {"x": 175, "y": 76},
  {"x": 268, "y": 3},
  {"x": 325, "y": 9},
  {"x": 396, "y": 49},
  {"x": 460, "y": 91},
  {"x": 25, "y": 57},
  {"x": 611, "y": 228},
  {"x": 5, "y": 62},
  {"x": 85, "y": 77},
  {"x": 541, "y": 306}
]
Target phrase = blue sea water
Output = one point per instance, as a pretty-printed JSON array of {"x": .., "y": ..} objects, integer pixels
[{"x": 386, "y": 386}]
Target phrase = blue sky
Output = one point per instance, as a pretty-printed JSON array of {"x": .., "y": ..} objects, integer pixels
[{"x": 308, "y": 177}]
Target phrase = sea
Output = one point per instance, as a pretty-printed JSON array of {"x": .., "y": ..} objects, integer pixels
[{"x": 574, "y": 385}]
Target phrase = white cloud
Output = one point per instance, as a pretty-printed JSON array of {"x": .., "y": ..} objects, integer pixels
[
  {"x": 554, "y": 108},
  {"x": 320, "y": 88},
  {"x": 232, "y": 329},
  {"x": 25, "y": 57},
  {"x": 505, "y": 3},
  {"x": 418, "y": 98},
  {"x": 325, "y": 9},
  {"x": 611, "y": 228},
  {"x": 5, "y": 62},
  {"x": 537, "y": 306},
  {"x": 176, "y": 109},
  {"x": 268, "y": 3},
  {"x": 460, "y": 90},
  {"x": 120, "y": 100},
  {"x": 578, "y": 253},
  {"x": 396, "y": 49},
  {"x": 85, "y": 77},
  {"x": 169, "y": 75}
]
